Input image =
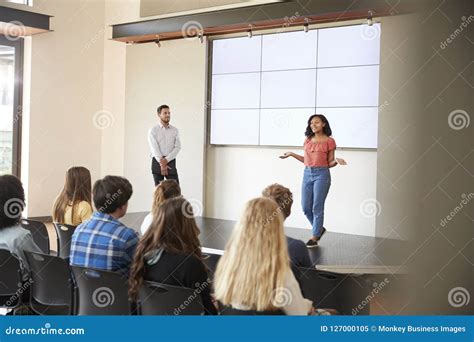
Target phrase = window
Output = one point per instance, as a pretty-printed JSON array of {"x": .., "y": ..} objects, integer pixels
[
  {"x": 22, "y": 2},
  {"x": 11, "y": 53}
]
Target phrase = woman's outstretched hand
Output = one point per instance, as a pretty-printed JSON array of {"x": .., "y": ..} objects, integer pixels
[
  {"x": 285, "y": 155},
  {"x": 341, "y": 161}
]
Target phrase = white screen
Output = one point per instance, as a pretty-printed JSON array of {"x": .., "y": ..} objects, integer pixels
[
  {"x": 349, "y": 45},
  {"x": 292, "y": 50},
  {"x": 345, "y": 87},
  {"x": 236, "y": 55},
  {"x": 236, "y": 91},
  {"x": 230, "y": 127},
  {"x": 353, "y": 127},
  {"x": 288, "y": 89},
  {"x": 265, "y": 88},
  {"x": 283, "y": 127}
]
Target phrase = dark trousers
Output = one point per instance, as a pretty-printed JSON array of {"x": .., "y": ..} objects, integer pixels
[{"x": 156, "y": 171}]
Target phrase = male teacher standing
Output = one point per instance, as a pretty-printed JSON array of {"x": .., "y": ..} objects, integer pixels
[{"x": 165, "y": 145}]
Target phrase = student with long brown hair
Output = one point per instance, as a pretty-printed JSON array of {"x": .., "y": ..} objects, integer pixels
[
  {"x": 170, "y": 252},
  {"x": 168, "y": 188},
  {"x": 254, "y": 273},
  {"x": 73, "y": 205}
]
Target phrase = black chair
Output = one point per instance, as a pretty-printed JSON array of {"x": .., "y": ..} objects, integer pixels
[
  {"x": 225, "y": 310},
  {"x": 39, "y": 232},
  {"x": 161, "y": 299},
  {"x": 100, "y": 292},
  {"x": 64, "y": 233},
  {"x": 329, "y": 290},
  {"x": 11, "y": 283},
  {"x": 52, "y": 289}
]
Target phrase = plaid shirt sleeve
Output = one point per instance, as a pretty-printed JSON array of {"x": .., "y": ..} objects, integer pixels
[{"x": 131, "y": 245}]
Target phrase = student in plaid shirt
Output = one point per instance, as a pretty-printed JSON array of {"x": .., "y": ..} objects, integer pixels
[{"x": 103, "y": 242}]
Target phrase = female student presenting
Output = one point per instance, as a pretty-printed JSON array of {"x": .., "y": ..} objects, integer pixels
[{"x": 318, "y": 157}]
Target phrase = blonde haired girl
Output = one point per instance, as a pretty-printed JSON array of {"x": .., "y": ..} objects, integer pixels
[{"x": 254, "y": 273}]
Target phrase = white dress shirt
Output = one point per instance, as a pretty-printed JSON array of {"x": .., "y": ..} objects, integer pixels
[
  {"x": 164, "y": 142},
  {"x": 146, "y": 223}
]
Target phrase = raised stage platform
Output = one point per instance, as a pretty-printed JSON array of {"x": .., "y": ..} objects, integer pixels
[{"x": 342, "y": 253}]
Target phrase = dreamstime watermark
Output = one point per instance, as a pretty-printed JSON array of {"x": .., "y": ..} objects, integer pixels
[
  {"x": 14, "y": 30},
  {"x": 118, "y": 16},
  {"x": 95, "y": 38},
  {"x": 384, "y": 106},
  {"x": 103, "y": 119},
  {"x": 111, "y": 198},
  {"x": 103, "y": 296},
  {"x": 465, "y": 200},
  {"x": 22, "y": 288},
  {"x": 13, "y": 208},
  {"x": 370, "y": 207},
  {"x": 464, "y": 24},
  {"x": 369, "y": 32},
  {"x": 46, "y": 330},
  {"x": 288, "y": 22},
  {"x": 18, "y": 114},
  {"x": 458, "y": 296},
  {"x": 281, "y": 121},
  {"x": 458, "y": 119},
  {"x": 198, "y": 289},
  {"x": 281, "y": 297},
  {"x": 207, "y": 105},
  {"x": 377, "y": 288},
  {"x": 286, "y": 202},
  {"x": 191, "y": 29},
  {"x": 192, "y": 208}
]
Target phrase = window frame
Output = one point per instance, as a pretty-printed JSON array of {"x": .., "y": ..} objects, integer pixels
[{"x": 18, "y": 45}]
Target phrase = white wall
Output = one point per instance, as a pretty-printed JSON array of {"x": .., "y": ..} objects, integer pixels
[{"x": 237, "y": 174}]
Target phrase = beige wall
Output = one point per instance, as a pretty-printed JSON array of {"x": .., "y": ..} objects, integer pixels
[
  {"x": 163, "y": 7},
  {"x": 173, "y": 74},
  {"x": 398, "y": 147},
  {"x": 65, "y": 90},
  {"x": 74, "y": 86},
  {"x": 113, "y": 134}
]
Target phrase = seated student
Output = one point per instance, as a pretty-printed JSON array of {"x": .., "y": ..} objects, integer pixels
[
  {"x": 73, "y": 205},
  {"x": 13, "y": 237},
  {"x": 254, "y": 273},
  {"x": 166, "y": 189},
  {"x": 170, "y": 252},
  {"x": 103, "y": 242},
  {"x": 297, "y": 249}
]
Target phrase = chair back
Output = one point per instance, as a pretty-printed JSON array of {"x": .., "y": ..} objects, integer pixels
[
  {"x": 100, "y": 292},
  {"x": 161, "y": 299},
  {"x": 64, "y": 233}
]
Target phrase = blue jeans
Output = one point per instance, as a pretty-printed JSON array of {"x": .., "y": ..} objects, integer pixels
[{"x": 316, "y": 183}]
